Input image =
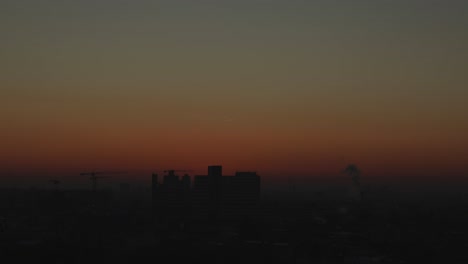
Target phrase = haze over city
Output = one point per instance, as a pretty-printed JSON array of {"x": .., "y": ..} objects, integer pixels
[{"x": 279, "y": 87}]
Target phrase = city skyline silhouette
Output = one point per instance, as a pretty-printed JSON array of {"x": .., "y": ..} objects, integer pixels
[
  {"x": 302, "y": 88},
  {"x": 233, "y": 131}
]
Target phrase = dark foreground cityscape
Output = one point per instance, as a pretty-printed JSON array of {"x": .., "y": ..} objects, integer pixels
[{"x": 215, "y": 218}]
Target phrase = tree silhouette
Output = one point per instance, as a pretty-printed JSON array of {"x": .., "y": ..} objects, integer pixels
[{"x": 353, "y": 171}]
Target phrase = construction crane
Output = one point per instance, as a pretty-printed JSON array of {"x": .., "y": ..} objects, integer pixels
[{"x": 93, "y": 176}]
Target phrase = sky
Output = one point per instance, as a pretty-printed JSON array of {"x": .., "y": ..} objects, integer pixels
[{"x": 280, "y": 87}]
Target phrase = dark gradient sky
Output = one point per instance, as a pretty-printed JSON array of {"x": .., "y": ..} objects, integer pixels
[{"x": 281, "y": 87}]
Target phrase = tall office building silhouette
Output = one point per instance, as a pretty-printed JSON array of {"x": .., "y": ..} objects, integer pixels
[
  {"x": 171, "y": 198},
  {"x": 225, "y": 197},
  {"x": 213, "y": 196}
]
